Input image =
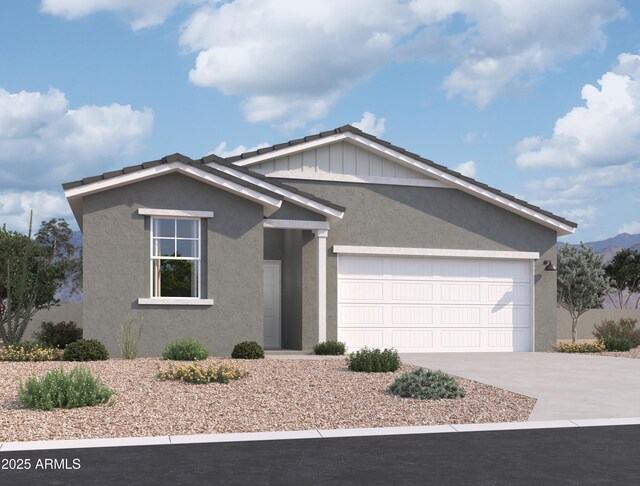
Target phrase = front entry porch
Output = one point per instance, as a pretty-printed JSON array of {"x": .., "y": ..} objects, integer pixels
[{"x": 295, "y": 253}]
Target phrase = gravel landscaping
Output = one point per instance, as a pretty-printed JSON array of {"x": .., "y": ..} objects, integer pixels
[
  {"x": 295, "y": 394},
  {"x": 633, "y": 353}
]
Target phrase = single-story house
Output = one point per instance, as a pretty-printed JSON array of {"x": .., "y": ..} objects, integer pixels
[{"x": 338, "y": 235}]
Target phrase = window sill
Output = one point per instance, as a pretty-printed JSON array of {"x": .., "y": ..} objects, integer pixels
[{"x": 174, "y": 301}]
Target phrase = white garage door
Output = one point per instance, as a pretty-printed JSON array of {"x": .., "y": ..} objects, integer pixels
[{"x": 418, "y": 304}]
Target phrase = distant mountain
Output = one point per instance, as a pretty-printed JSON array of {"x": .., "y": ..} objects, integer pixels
[{"x": 623, "y": 240}]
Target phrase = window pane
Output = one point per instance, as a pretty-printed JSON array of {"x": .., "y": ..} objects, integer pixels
[
  {"x": 175, "y": 278},
  {"x": 164, "y": 228},
  {"x": 187, "y": 248},
  {"x": 164, "y": 247},
  {"x": 187, "y": 228}
]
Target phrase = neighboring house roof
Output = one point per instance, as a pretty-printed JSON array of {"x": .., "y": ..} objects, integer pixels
[
  {"x": 241, "y": 182},
  {"x": 426, "y": 166}
]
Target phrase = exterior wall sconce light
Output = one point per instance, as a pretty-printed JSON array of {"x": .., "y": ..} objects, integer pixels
[{"x": 550, "y": 267}]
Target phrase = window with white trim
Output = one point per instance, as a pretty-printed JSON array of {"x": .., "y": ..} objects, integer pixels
[{"x": 175, "y": 257}]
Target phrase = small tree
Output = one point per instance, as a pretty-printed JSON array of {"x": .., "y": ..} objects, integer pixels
[
  {"x": 29, "y": 280},
  {"x": 581, "y": 282},
  {"x": 624, "y": 274}
]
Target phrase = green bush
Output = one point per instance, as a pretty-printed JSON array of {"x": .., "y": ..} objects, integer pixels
[
  {"x": 426, "y": 385},
  {"x": 59, "y": 389},
  {"x": 185, "y": 349},
  {"x": 58, "y": 335},
  {"x": 620, "y": 335},
  {"x": 28, "y": 351},
  {"x": 334, "y": 348},
  {"x": 374, "y": 360},
  {"x": 85, "y": 350},
  {"x": 247, "y": 350},
  {"x": 592, "y": 347}
]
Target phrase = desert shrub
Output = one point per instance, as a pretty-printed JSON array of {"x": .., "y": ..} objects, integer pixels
[
  {"x": 85, "y": 350},
  {"x": 620, "y": 335},
  {"x": 334, "y": 348},
  {"x": 59, "y": 389},
  {"x": 592, "y": 347},
  {"x": 28, "y": 351},
  {"x": 247, "y": 350},
  {"x": 426, "y": 385},
  {"x": 128, "y": 339},
  {"x": 58, "y": 335},
  {"x": 374, "y": 360},
  {"x": 185, "y": 349},
  {"x": 200, "y": 375}
]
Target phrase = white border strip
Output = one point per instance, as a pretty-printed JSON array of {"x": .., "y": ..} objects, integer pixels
[
  {"x": 295, "y": 224},
  {"x": 176, "y": 213},
  {"x": 174, "y": 301},
  {"x": 435, "y": 252},
  {"x": 311, "y": 434},
  {"x": 356, "y": 179}
]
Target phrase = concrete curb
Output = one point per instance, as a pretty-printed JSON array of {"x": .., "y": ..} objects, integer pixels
[{"x": 309, "y": 434}]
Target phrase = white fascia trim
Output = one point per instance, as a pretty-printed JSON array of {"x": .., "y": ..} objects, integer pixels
[
  {"x": 290, "y": 150},
  {"x": 295, "y": 224},
  {"x": 326, "y": 176},
  {"x": 445, "y": 177},
  {"x": 270, "y": 204},
  {"x": 329, "y": 212},
  {"x": 175, "y": 213},
  {"x": 175, "y": 301},
  {"x": 435, "y": 252}
]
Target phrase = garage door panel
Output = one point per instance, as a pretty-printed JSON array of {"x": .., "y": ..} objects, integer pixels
[
  {"x": 517, "y": 294},
  {"x": 509, "y": 316},
  {"x": 361, "y": 291},
  {"x": 412, "y": 291},
  {"x": 435, "y": 304},
  {"x": 407, "y": 315},
  {"x": 360, "y": 338},
  {"x": 401, "y": 267},
  {"x": 453, "y": 269},
  {"x": 360, "y": 266},
  {"x": 457, "y": 292},
  {"x": 460, "y": 338},
  {"x": 411, "y": 339},
  {"x": 352, "y": 315},
  {"x": 518, "y": 339},
  {"x": 509, "y": 271},
  {"x": 460, "y": 316}
]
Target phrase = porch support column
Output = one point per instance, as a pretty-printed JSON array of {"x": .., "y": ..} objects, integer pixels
[{"x": 321, "y": 247}]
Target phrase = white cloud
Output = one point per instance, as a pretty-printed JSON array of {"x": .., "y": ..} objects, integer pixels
[
  {"x": 371, "y": 124},
  {"x": 605, "y": 131},
  {"x": 221, "y": 149},
  {"x": 466, "y": 168},
  {"x": 15, "y": 207},
  {"x": 633, "y": 227},
  {"x": 469, "y": 137},
  {"x": 141, "y": 13},
  {"x": 43, "y": 142},
  {"x": 291, "y": 61},
  {"x": 585, "y": 217}
]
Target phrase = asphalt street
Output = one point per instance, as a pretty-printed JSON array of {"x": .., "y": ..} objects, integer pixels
[{"x": 577, "y": 456}]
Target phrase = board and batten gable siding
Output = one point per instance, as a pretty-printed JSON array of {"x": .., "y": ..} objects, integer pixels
[
  {"x": 338, "y": 158},
  {"x": 423, "y": 217},
  {"x": 117, "y": 266}
]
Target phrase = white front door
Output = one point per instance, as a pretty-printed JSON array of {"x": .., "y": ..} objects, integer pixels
[
  {"x": 272, "y": 304},
  {"x": 422, "y": 304}
]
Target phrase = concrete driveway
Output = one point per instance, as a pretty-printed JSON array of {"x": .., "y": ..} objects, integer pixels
[{"x": 567, "y": 386}]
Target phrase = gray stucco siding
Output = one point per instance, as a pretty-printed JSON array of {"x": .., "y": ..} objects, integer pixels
[
  {"x": 117, "y": 266},
  {"x": 422, "y": 217}
]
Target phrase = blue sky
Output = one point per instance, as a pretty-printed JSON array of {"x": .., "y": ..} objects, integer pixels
[{"x": 496, "y": 88}]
